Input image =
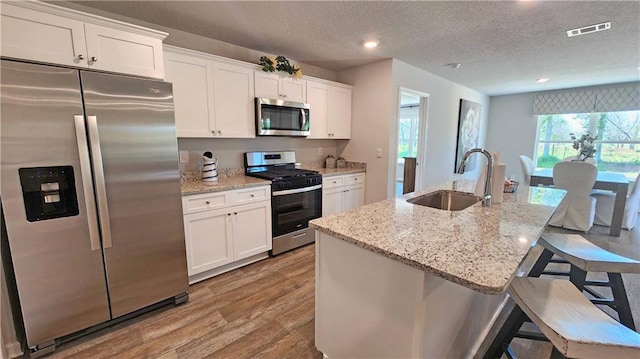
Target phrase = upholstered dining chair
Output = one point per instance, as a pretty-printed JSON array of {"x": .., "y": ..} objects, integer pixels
[
  {"x": 527, "y": 168},
  {"x": 577, "y": 209},
  {"x": 606, "y": 200}
]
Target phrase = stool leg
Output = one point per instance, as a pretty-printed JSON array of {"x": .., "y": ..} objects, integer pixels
[
  {"x": 577, "y": 276},
  {"x": 541, "y": 263},
  {"x": 621, "y": 301},
  {"x": 507, "y": 332},
  {"x": 555, "y": 354}
]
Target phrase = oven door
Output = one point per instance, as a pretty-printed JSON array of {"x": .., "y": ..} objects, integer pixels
[{"x": 293, "y": 209}]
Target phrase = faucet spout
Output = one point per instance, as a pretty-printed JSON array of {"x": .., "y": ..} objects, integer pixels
[{"x": 487, "y": 184}]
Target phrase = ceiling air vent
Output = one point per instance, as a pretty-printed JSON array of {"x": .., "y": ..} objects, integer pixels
[{"x": 589, "y": 29}]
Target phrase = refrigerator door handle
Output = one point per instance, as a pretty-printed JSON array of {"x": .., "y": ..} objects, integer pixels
[
  {"x": 101, "y": 191},
  {"x": 87, "y": 184}
]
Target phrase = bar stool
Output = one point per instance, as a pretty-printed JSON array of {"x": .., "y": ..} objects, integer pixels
[
  {"x": 574, "y": 325},
  {"x": 584, "y": 256}
]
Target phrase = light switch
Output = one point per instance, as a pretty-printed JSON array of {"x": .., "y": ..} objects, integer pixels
[
  {"x": 379, "y": 152},
  {"x": 184, "y": 156}
]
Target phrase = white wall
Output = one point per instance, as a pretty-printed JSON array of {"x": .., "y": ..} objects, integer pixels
[
  {"x": 370, "y": 124},
  {"x": 374, "y": 122},
  {"x": 442, "y": 119},
  {"x": 512, "y": 130}
]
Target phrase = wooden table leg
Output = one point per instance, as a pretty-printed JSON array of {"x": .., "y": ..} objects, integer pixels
[{"x": 618, "y": 210}]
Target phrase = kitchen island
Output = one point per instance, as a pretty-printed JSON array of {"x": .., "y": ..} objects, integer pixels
[{"x": 395, "y": 279}]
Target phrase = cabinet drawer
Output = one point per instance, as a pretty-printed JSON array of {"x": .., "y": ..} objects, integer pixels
[
  {"x": 203, "y": 202},
  {"x": 354, "y": 179},
  {"x": 333, "y": 182},
  {"x": 249, "y": 195}
]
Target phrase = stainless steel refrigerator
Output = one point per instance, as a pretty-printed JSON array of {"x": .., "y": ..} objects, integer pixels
[{"x": 90, "y": 192}]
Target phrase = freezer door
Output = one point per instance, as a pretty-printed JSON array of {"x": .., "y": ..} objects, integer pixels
[
  {"x": 135, "y": 157},
  {"x": 55, "y": 248}
]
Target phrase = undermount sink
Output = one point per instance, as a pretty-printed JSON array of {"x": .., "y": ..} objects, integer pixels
[{"x": 446, "y": 200}]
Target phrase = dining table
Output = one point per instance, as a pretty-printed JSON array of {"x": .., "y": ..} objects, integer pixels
[{"x": 608, "y": 181}]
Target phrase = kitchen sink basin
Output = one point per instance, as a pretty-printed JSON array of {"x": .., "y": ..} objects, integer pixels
[{"x": 446, "y": 200}]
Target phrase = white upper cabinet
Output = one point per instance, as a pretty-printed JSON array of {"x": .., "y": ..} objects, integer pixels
[
  {"x": 234, "y": 100},
  {"x": 276, "y": 87},
  {"x": 192, "y": 79},
  {"x": 212, "y": 97},
  {"x": 330, "y": 110},
  {"x": 48, "y": 33},
  {"x": 121, "y": 51}
]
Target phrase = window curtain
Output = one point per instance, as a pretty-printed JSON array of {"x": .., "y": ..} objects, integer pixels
[{"x": 623, "y": 98}]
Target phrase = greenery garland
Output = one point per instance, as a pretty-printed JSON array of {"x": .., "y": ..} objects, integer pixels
[{"x": 279, "y": 63}]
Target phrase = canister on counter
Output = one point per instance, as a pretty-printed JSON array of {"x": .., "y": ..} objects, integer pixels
[
  {"x": 330, "y": 162},
  {"x": 341, "y": 162}
]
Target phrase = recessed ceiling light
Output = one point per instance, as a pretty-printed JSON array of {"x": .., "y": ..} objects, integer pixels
[
  {"x": 371, "y": 44},
  {"x": 453, "y": 65},
  {"x": 542, "y": 79},
  {"x": 589, "y": 29}
]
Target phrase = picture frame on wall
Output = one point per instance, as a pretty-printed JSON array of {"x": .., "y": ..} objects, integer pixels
[{"x": 468, "y": 132}]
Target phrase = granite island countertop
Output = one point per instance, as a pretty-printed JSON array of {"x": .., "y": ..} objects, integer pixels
[{"x": 478, "y": 247}]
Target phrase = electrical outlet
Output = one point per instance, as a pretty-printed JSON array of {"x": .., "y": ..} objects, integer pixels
[
  {"x": 184, "y": 156},
  {"x": 379, "y": 152},
  {"x": 319, "y": 151}
]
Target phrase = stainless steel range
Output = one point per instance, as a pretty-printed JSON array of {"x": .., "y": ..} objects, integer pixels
[{"x": 296, "y": 197}]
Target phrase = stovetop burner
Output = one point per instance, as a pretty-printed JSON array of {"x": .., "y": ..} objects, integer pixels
[{"x": 281, "y": 174}]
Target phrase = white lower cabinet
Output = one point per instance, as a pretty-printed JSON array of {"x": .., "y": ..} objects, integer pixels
[
  {"x": 230, "y": 228},
  {"x": 342, "y": 193}
]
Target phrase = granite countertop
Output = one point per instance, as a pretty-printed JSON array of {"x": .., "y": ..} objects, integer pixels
[
  {"x": 479, "y": 247},
  {"x": 225, "y": 183},
  {"x": 328, "y": 172}
]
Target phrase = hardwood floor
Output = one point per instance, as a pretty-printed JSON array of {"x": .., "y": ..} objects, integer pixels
[{"x": 264, "y": 310}]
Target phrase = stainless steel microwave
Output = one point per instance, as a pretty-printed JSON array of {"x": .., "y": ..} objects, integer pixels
[{"x": 281, "y": 118}]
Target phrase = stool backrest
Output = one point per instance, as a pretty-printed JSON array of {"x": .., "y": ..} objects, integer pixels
[
  {"x": 527, "y": 168},
  {"x": 576, "y": 177}
]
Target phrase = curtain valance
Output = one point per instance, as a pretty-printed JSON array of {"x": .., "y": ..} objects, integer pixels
[{"x": 623, "y": 98}]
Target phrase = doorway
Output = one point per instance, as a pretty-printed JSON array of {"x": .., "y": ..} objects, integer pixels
[{"x": 410, "y": 142}]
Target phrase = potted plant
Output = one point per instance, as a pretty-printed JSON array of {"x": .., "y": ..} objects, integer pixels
[{"x": 584, "y": 145}]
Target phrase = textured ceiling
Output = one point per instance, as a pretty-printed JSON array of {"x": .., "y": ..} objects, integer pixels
[{"x": 503, "y": 46}]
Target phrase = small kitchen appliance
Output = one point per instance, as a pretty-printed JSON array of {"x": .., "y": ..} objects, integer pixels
[{"x": 296, "y": 197}]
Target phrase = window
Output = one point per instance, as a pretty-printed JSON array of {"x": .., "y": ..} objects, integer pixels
[{"x": 617, "y": 144}]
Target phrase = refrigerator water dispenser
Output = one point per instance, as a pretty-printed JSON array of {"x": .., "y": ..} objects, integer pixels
[{"x": 48, "y": 192}]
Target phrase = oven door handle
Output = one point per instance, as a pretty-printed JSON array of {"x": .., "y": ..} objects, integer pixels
[{"x": 297, "y": 190}]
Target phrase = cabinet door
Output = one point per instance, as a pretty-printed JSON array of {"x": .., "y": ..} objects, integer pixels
[
  {"x": 353, "y": 197},
  {"x": 208, "y": 239},
  {"x": 267, "y": 85},
  {"x": 332, "y": 201},
  {"x": 120, "y": 51},
  {"x": 293, "y": 89},
  {"x": 251, "y": 229},
  {"x": 317, "y": 98},
  {"x": 192, "y": 79},
  {"x": 339, "y": 113},
  {"x": 34, "y": 35},
  {"x": 234, "y": 101}
]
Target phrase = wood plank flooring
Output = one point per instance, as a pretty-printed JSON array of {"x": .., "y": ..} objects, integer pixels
[{"x": 264, "y": 310}]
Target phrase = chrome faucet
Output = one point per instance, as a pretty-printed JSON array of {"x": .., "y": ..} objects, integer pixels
[{"x": 487, "y": 184}]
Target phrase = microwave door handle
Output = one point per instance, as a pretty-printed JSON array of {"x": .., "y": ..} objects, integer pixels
[{"x": 303, "y": 116}]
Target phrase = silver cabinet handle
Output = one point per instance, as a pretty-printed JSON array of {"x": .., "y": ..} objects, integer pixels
[
  {"x": 80, "y": 57},
  {"x": 101, "y": 189},
  {"x": 213, "y": 132},
  {"x": 207, "y": 202},
  {"x": 252, "y": 195},
  {"x": 87, "y": 183},
  {"x": 219, "y": 132},
  {"x": 94, "y": 59}
]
